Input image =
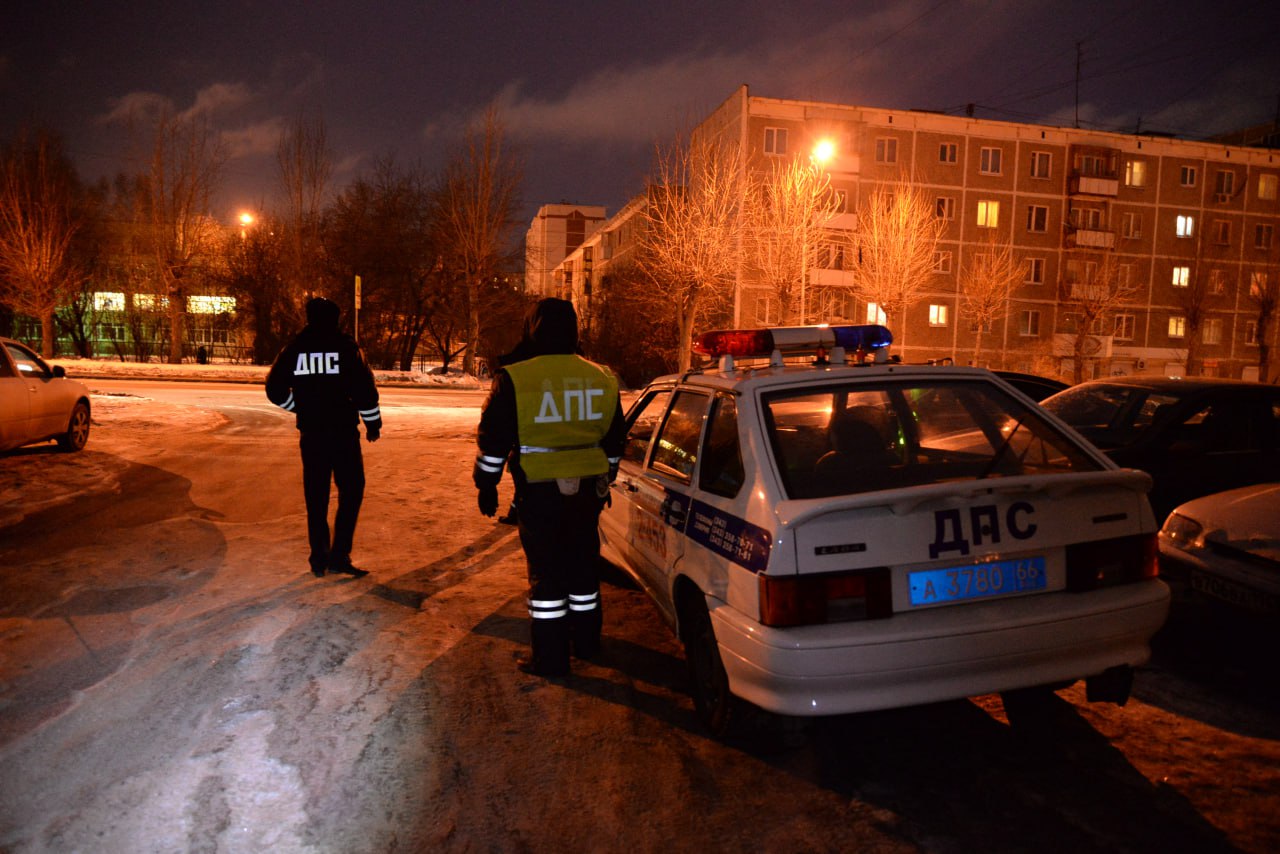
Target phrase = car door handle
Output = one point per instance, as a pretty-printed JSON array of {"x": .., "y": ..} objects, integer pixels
[{"x": 673, "y": 511}]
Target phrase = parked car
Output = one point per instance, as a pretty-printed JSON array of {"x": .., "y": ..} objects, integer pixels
[
  {"x": 1194, "y": 436},
  {"x": 1035, "y": 387},
  {"x": 1225, "y": 548},
  {"x": 827, "y": 537},
  {"x": 38, "y": 403},
  {"x": 1220, "y": 554}
]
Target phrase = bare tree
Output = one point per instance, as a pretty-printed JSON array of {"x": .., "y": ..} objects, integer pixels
[
  {"x": 1264, "y": 291},
  {"x": 988, "y": 277},
  {"x": 39, "y": 219},
  {"x": 185, "y": 162},
  {"x": 787, "y": 213},
  {"x": 304, "y": 166},
  {"x": 479, "y": 198},
  {"x": 692, "y": 230},
  {"x": 1103, "y": 290},
  {"x": 894, "y": 243}
]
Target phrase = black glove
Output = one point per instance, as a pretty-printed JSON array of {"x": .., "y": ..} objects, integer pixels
[
  {"x": 488, "y": 500},
  {"x": 372, "y": 432}
]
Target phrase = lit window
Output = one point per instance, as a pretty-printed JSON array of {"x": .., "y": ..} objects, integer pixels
[
  {"x": 947, "y": 152},
  {"x": 1029, "y": 323},
  {"x": 875, "y": 314},
  {"x": 1262, "y": 235},
  {"x": 1187, "y": 176},
  {"x": 886, "y": 150},
  {"x": 1035, "y": 271},
  {"x": 988, "y": 214},
  {"x": 989, "y": 163},
  {"x": 1257, "y": 283},
  {"x": 1135, "y": 173},
  {"x": 1267, "y": 185},
  {"x": 1212, "y": 331},
  {"x": 1177, "y": 327},
  {"x": 1181, "y": 276},
  {"x": 1037, "y": 218},
  {"x": 108, "y": 301},
  {"x": 1124, "y": 327},
  {"x": 1040, "y": 164},
  {"x": 946, "y": 207},
  {"x": 937, "y": 315},
  {"x": 1186, "y": 225},
  {"x": 211, "y": 305},
  {"x": 942, "y": 261},
  {"x": 775, "y": 141}
]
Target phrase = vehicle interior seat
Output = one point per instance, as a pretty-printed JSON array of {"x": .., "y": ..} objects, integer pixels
[{"x": 858, "y": 460}]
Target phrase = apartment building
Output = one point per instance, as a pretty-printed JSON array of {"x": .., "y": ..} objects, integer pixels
[
  {"x": 556, "y": 231},
  {"x": 1179, "y": 218}
]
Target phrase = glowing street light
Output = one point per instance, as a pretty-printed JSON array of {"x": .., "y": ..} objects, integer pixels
[
  {"x": 824, "y": 151},
  {"x": 246, "y": 221}
]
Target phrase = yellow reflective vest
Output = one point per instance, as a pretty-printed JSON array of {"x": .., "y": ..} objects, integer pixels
[{"x": 564, "y": 406}]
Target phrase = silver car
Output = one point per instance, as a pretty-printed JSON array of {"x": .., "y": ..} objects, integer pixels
[{"x": 39, "y": 403}]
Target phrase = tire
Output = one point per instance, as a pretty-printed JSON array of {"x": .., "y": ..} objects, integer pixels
[
  {"x": 77, "y": 429},
  {"x": 717, "y": 708}
]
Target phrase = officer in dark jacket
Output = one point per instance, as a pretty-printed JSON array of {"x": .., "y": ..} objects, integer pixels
[
  {"x": 322, "y": 377},
  {"x": 557, "y": 416}
]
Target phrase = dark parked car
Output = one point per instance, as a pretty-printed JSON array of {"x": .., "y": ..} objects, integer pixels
[
  {"x": 1035, "y": 387},
  {"x": 38, "y": 403},
  {"x": 1194, "y": 436}
]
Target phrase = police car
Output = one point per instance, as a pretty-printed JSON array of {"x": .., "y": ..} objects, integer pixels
[{"x": 828, "y": 531}]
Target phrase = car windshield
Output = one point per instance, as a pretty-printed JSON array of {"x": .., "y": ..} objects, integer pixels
[
  {"x": 848, "y": 439},
  {"x": 1110, "y": 416}
]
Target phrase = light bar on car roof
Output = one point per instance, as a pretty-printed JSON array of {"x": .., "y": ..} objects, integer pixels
[{"x": 792, "y": 341}]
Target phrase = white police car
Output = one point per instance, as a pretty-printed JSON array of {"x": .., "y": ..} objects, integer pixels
[{"x": 838, "y": 533}]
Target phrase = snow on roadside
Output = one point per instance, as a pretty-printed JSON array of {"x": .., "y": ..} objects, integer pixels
[{"x": 228, "y": 372}]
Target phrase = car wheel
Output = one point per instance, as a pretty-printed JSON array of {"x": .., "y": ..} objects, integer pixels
[
  {"x": 77, "y": 429},
  {"x": 716, "y": 707}
]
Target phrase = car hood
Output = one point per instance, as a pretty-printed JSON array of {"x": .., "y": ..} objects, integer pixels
[{"x": 1247, "y": 518}]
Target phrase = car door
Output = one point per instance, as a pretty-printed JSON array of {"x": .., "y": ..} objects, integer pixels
[
  {"x": 659, "y": 494},
  {"x": 46, "y": 411},
  {"x": 14, "y": 403},
  {"x": 643, "y": 419}
]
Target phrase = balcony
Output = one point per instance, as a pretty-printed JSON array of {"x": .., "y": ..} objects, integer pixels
[
  {"x": 1094, "y": 185},
  {"x": 1089, "y": 238}
]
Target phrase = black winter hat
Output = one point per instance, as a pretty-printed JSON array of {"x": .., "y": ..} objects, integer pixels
[
  {"x": 554, "y": 327},
  {"x": 322, "y": 313}
]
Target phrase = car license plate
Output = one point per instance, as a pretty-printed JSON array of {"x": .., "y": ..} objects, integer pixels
[
  {"x": 1234, "y": 593},
  {"x": 976, "y": 581}
]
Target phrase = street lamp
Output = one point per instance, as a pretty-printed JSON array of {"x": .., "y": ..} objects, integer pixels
[
  {"x": 824, "y": 151},
  {"x": 246, "y": 221}
]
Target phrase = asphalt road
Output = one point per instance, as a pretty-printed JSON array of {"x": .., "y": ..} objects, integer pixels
[{"x": 173, "y": 679}]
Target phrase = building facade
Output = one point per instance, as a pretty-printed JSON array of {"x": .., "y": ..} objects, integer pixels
[
  {"x": 1189, "y": 227},
  {"x": 556, "y": 231}
]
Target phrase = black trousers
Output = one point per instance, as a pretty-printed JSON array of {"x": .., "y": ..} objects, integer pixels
[
  {"x": 332, "y": 458},
  {"x": 562, "y": 548}
]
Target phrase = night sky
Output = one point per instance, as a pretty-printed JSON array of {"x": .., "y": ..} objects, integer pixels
[{"x": 588, "y": 88}]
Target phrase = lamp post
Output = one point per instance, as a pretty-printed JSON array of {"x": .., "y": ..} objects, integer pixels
[
  {"x": 246, "y": 220},
  {"x": 824, "y": 150}
]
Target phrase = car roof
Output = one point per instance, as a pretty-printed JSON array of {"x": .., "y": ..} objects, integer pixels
[
  {"x": 751, "y": 378},
  {"x": 1179, "y": 384}
]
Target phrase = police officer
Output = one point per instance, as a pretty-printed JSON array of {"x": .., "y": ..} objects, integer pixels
[
  {"x": 322, "y": 377},
  {"x": 559, "y": 419}
]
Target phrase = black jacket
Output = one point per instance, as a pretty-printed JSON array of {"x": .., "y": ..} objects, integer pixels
[{"x": 322, "y": 377}]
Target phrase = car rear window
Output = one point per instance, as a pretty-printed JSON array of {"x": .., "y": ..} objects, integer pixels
[{"x": 848, "y": 439}]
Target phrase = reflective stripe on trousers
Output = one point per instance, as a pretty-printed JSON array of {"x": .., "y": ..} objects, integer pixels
[{"x": 548, "y": 609}]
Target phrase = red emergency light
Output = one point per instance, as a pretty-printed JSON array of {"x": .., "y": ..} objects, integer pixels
[{"x": 792, "y": 341}]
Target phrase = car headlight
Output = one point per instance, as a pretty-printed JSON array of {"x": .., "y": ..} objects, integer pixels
[{"x": 1184, "y": 532}]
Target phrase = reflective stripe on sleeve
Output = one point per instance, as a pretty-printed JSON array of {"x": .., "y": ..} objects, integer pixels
[
  {"x": 289, "y": 404},
  {"x": 548, "y": 609},
  {"x": 585, "y": 602},
  {"x": 371, "y": 414},
  {"x": 492, "y": 465}
]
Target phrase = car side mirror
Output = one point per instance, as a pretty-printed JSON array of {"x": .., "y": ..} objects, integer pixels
[{"x": 59, "y": 371}]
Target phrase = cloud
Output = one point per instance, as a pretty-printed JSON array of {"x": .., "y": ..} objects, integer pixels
[
  {"x": 218, "y": 97},
  {"x": 258, "y": 138}
]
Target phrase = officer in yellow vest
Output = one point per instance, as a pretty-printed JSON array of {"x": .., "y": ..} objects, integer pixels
[{"x": 559, "y": 419}]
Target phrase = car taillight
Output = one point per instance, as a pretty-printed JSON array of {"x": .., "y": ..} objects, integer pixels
[
  {"x": 803, "y": 600},
  {"x": 1106, "y": 563}
]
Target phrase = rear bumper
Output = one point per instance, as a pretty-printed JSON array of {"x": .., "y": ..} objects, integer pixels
[{"x": 938, "y": 654}]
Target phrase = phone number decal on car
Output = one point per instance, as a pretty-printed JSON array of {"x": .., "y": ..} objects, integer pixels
[
  {"x": 977, "y": 581},
  {"x": 730, "y": 537}
]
